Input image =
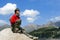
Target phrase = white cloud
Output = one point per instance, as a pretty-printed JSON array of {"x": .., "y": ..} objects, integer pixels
[
  {"x": 7, "y": 9},
  {"x": 55, "y": 18},
  {"x": 31, "y": 15},
  {"x": 30, "y": 19}
]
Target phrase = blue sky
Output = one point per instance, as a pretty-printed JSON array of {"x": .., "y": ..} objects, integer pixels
[{"x": 47, "y": 10}]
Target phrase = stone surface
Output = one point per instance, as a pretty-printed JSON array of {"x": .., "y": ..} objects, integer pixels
[{"x": 7, "y": 34}]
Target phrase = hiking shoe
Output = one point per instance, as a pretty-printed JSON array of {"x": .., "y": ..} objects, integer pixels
[
  {"x": 30, "y": 36},
  {"x": 35, "y": 38}
]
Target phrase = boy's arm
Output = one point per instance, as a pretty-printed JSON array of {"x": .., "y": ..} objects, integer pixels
[
  {"x": 12, "y": 20},
  {"x": 18, "y": 21}
]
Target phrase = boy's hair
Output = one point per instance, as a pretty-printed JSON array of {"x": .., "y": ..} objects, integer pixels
[{"x": 16, "y": 10}]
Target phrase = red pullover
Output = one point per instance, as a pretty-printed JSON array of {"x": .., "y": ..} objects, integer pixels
[{"x": 14, "y": 18}]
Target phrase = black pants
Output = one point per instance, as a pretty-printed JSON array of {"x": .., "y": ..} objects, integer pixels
[
  {"x": 16, "y": 31},
  {"x": 16, "y": 26}
]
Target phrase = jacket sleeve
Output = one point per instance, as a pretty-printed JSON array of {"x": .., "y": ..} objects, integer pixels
[{"x": 12, "y": 20}]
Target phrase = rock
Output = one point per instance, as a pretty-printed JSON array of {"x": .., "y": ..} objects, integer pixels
[{"x": 7, "y": 34}]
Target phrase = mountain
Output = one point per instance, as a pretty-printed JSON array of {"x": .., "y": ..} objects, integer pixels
[
  {"x": 57, "y": 23},
  {"x": 46, "y": 32},
  {"x": 31, "y": 27},
  {"x": 4, "y": 26},
  {"x": 7, "y": 34},
  {"x": 51, "y": 23},
  {"x": 2, "y": 23}
]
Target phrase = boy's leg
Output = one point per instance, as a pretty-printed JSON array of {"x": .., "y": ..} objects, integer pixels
[
  {"x": 17, "y": 25},
  {"x": 13, "y": 28},
  {"x": 21, "y": 30},
  {"x": 30, "y": 36}
]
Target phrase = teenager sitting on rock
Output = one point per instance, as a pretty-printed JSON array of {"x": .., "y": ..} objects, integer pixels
[{"x": 15, "y": 21}]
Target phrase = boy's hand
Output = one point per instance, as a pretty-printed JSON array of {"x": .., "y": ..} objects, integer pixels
[{"x": 18, "y": 21}]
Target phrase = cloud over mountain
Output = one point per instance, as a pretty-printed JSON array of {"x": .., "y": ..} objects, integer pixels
[
  {"x": 8, "y": 8},
  {"x": 31, "y": 15}
]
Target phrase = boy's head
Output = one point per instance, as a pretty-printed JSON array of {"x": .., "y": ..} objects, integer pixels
[{"x": 17, "y": 12}]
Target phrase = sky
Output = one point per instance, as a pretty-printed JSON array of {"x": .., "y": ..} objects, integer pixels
[{"x": 31, "y": 11}]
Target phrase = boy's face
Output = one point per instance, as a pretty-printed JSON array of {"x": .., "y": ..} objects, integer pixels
[{"x": 17, "y": 13}]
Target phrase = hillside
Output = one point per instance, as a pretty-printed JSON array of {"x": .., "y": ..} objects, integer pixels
[{"x": 47, "y": 32}]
